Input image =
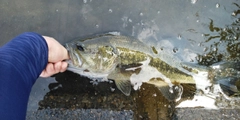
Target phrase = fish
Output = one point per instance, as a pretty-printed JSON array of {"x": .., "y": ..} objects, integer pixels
[
  {"x": 227, "y": 75},
  {"x": 127, "y": 61}
]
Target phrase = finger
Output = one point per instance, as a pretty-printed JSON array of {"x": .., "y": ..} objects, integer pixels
[
  {"x": 50, "y": 68},
  {"x": 43, "y": 74},
  {"x": 57, "y": 67},
  {"x": 64, "y": 66},
  {"x": 48, "y": 71}
]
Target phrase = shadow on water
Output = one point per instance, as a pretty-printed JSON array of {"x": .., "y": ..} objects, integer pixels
[{"x": 75, "y": 92}]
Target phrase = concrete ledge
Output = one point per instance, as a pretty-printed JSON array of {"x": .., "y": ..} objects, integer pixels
[{"x": 79, "y": 114}]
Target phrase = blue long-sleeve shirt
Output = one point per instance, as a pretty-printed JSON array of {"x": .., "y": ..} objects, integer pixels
[{"x": 21, "y": 62}]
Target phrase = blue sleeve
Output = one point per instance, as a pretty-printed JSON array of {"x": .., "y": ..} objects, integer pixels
[{"x": 21, "y": 62}]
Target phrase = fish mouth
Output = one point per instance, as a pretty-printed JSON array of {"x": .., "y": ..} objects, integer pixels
[{"x": 74, "y": 57}]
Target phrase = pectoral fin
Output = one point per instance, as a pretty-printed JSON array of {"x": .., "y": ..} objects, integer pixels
[
  {"x": 124, "y": 86},
  {"x": 122, "y": 79}
]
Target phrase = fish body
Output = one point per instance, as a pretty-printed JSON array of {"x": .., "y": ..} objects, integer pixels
[{"x": 125, "y": 60}]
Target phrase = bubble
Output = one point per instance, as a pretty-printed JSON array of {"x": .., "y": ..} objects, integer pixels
[
  {"x": 237, "y": 28},
  {"x": 110, "y": 81},
  {"x": 171, "y": 90},
  {"x": 141, "y": 14},
  {"x": 193, "y": 1},
  {"x": 224, "y": 29},
  {"x": 56, "y": 10},
  {"x": 238, "y": 20},
  {"x": 217, "y": 5},
  {"x": 84, "y": 1},
  {"x": 143, "y": 23},
  {"x": 175, "y": 50},
  {"x": 97, "y": 26},
  {"x": 179, "y": 36},
  {"x": 110, "y": 10},
  {"x": 235, "y": 37},
  {"x": 130, "y": 20},
  {"x": 112, "y": 89},
  {"x": 158, "y": 12},
  {"x": 233, "y": 14},
  {"x": 197, "y": 21},
  {"x": 214, "y": 49},
  {"x": 205, "y": 49}
]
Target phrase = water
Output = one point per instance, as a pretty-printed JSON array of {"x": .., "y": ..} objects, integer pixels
[{"x": 194, "y": 31}]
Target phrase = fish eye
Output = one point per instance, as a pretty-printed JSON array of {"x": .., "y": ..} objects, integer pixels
[{"x": 80, "y": 47}]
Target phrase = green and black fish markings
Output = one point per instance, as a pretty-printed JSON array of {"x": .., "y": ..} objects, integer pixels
[
  {"x": 129, "y": 62},
  {"x": 125, "y": 60}
]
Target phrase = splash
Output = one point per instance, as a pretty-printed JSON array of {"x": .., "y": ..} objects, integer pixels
[{"x": 146, "y": 74}]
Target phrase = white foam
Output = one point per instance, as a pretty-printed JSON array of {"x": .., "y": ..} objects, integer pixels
[
  {"x": 199, "y": 101},
  {"x": 202, "y": 81},
  {"x": 216, "y": 66},
  {"x": 147, "y": 72}
]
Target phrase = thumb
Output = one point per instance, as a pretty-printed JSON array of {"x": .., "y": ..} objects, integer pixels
[{"x": 56, "y": 52}]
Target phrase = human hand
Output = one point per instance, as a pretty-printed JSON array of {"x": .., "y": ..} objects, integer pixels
[{"x": 56, "y": 54}]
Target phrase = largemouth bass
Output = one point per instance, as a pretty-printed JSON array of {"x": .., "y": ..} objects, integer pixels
[{"x": 128, "y": 62}]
